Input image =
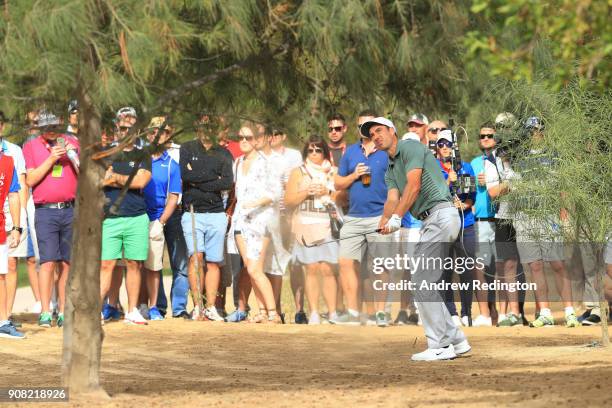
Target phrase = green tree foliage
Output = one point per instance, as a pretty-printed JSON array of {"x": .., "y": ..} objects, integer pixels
[{"x": 561, "y": 39}]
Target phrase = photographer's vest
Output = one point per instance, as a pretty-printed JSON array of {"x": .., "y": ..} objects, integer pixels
[{"x": 7, "y": 168}]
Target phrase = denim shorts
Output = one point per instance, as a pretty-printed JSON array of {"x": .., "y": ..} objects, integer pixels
[
  {"x": 210, "y": 234},
  {"x": 54, "y": 233}
]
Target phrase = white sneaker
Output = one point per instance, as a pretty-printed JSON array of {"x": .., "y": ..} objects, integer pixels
[
  {"x": 456, "y": 320},
  {"x": 211, "y": 314},
  {"x": 195, "y": 313},
  {"x": 462, "y": 348},
  {"x": 314, "y": 318},
  {"x": 446, "y": 353},
  {"x": 36, "y": 308},
  {"x": 134, "y": 317},
  {"x": 482, "y": 321},
  {"x": 465, "y": 321}
]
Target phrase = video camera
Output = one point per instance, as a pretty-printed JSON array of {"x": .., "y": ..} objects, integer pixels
[{"x": 465, "y": 183}]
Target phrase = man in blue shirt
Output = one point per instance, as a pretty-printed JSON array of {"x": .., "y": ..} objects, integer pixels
[
  {"x": 362, "y": 173},
  {"x": 484, "y": 213},
  {"x": 161, "y": 196}
]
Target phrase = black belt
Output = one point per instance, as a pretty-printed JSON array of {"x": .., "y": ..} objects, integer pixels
[
  {"x": 488, "y": 219},
  {"x": 59, "y": 206},
  {"x": 433, "y": 209}
]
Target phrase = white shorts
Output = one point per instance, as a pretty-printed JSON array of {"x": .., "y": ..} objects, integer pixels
[
  {"x": 3, "y": 259},
  {"x": 155, "y": 256},
  {"x": 21, "y": 250}
]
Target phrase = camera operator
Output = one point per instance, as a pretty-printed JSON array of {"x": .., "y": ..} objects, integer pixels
[
  {"x": 498, "y": 178},
  {"x": 465, "y": 244},
  {"x": 539, "y": 239}
]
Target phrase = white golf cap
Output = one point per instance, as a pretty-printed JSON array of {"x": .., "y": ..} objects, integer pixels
[
  {"x": 365, "y": 127},
  {"x": 445, "y": 135},
  {"x": 411, "y": 136}
]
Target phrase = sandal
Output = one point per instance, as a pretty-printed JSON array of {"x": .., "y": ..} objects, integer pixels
[
  {"x": 273, "y": 317},
  {"x": 260, "y": 317}
]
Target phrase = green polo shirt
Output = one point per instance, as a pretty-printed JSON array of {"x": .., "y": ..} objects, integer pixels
[{"x": 411, "y": 155}]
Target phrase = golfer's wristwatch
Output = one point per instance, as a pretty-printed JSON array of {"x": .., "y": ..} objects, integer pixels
[{"x": 18, "y": 229}]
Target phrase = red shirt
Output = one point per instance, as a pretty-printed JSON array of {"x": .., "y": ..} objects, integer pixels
[{"x": 234, "y": 148}]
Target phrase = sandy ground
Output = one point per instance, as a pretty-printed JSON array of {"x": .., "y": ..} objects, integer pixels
[{"x": 182, "y": 363}]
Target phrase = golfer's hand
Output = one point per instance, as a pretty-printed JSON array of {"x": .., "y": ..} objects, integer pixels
[
  {"x": 458, "y": 204},
  {"x": 14, "y": 239},
  {"x": 382, "y": 223},
  {"x": 394, "y": 224},
  {"x": 452, "y": 176}
]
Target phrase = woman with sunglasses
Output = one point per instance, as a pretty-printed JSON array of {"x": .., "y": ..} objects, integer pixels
[
  {"x": 309, "y": 188},
  {"x": 465, "y": 246},
  {"x": 258, "y": 190}
]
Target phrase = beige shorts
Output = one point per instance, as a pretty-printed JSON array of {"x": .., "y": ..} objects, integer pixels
[
  {"x": 4, "y": 259},
  {"x": 155, "y": 257},
  {"x": 21, "y": 250}
]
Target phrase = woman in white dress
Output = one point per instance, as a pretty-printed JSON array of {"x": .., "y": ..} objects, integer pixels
[
  {"x": 309, "y": 188},
  {"x": 258, "y": 190}
]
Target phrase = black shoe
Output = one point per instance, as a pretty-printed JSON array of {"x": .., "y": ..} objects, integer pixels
[
  {"x": 585, "y": 315},
  {"x": 525, "y": 321},
  {"x": 184, "y": 315},
  {"x": 413, "y": 319},
  {"x": 282, "y": 318},
  {"x": 592, "y": 320},
  {"x": 300, "y": 318},
  {"x": 401, "y": 319}
]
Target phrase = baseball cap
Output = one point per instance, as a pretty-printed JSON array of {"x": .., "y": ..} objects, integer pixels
[
  {"x": 505, "y": 119},
  {"x": 126, "y": 111},
  {"x": 46, "y": 119},
  {"x": 534, "y": 123},
  {"x": 411, "y": 136},
  {"x": 156, "y": 122},
  {"x": 445, "y": 135},
  {"x": 365, "y": 127},
  {"x": 418, "y": 118},
  {"x": 73, "y": 106}
]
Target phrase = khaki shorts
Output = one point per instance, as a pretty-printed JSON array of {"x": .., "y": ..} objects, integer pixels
[
  {"x": 358, "y": 239},
  {"x": 21, "y": 250},
  {"x": 155, "y": 256}
]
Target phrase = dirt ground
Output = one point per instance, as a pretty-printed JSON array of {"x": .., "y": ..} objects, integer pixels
[{"x": 176, "y": 363}]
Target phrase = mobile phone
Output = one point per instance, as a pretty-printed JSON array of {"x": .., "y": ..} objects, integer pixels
[{"x": 61, "y": 142}]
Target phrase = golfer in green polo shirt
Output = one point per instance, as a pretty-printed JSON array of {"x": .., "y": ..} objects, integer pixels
[{"x": 415, "y": 183}]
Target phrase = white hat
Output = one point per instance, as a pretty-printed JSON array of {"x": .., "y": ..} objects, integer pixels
[
  {"x": 446, "y": 135},
  {"x": 411, "y": 136},
  {"x": 46, "y": 118},
  {"x": 365, "y": 127}
]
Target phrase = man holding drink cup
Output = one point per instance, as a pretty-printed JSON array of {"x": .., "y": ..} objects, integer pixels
[{"x": 362, "y": 173}]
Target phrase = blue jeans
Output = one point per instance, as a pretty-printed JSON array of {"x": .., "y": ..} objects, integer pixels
[{"x": 177, "y": 249}]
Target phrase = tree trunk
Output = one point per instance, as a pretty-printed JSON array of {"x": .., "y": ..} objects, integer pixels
[
  {"x": 83, "y": 333},
  {"x": 601, "y": 294}
]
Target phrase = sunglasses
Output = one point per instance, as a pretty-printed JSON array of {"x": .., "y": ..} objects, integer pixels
[
  {"x": 315, "y": 150},
  {"x": 444, "y": 143},
  {"x": 490, "y": 136},
  {"x": 435, "y": 130},
  {"x": 245, "y": 138},
  {"x": 334, "y": 129}
]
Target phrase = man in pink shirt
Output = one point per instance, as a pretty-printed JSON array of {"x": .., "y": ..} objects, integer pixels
[{"x": 52, "y": 172}]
